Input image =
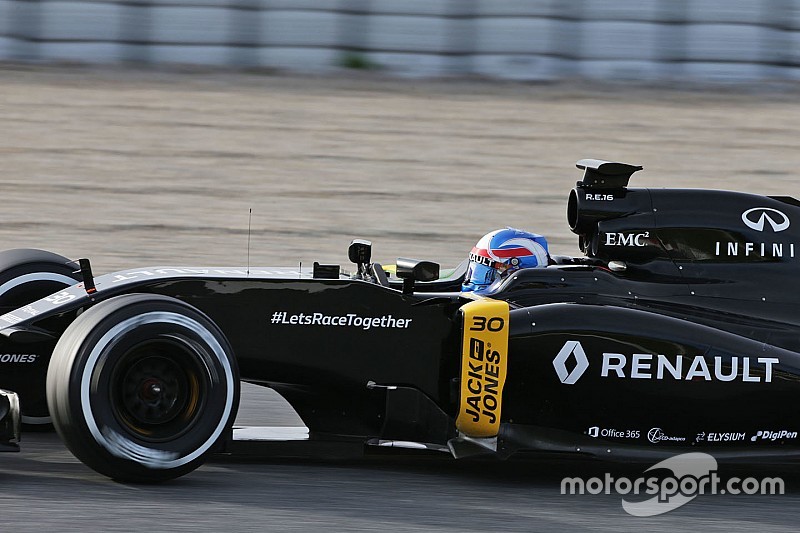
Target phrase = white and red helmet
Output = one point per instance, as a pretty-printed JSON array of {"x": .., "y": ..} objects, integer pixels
[{"x": 501, "y": 252}]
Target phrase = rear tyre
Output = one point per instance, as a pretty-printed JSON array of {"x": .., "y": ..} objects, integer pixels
[
  {"x": 27, "y": 275},
  {"x": 142, "y": 387}
]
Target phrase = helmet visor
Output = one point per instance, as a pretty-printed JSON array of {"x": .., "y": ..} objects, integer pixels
[{"x": 478, "y": 277}]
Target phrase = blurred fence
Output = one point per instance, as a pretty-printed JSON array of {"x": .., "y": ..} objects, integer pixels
[{"x": 511, "y": 39}]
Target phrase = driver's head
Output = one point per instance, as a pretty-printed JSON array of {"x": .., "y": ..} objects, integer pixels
[{"x": 501, "y": 252}]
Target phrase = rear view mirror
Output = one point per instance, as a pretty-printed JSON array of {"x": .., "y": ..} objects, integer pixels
[
  {"x": 360, "y": 251},
  {"x": 412, "y": 270}
]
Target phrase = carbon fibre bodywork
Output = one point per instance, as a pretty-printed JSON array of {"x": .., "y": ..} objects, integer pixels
[{"x": 678, "y": 330}]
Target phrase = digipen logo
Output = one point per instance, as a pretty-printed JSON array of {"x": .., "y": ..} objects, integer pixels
[
  {"x": 773, "y": 435},
  {"x": 757, "y": 217},
  {"x": 575, "y": 349}
]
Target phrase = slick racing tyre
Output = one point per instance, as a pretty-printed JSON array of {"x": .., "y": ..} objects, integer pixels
[
  {"x": 142, "y": 387},
  {"x": 28, "y": 275}
]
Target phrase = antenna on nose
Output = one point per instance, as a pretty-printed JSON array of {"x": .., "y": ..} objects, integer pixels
[{"x": 249, "y": 221}]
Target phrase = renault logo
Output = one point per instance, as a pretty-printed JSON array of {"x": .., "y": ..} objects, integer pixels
[
  {"x": 757, "y": 217},
  {"x": 559, "y": 363}
]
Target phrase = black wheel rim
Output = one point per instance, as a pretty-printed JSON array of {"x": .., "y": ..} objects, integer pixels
[{"x": 157, "y": 389}]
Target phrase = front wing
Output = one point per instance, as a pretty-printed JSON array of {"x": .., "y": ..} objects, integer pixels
[{"x": 9, "y": 421}]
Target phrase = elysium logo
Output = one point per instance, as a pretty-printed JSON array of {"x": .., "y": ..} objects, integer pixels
[
  {"x": 575, "y": 349},
  {"x": 757, "y": 217}
]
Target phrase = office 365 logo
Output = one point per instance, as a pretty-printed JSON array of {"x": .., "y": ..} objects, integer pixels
[{"x": 574, "y": 349}]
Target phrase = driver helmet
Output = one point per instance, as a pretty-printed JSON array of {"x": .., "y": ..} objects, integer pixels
[{"x": 501, "y": 252}]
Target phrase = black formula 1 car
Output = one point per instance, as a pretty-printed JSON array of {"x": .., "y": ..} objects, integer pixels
[{"x": 678, "y": 330}]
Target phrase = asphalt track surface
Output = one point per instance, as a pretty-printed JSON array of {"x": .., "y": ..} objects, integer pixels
[
  {"x": 45, "y": 488},
  {"x": 134, "y": 168}
]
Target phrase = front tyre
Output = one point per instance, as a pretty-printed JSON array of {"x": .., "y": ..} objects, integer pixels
[{"x": 142, "y": 387}]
